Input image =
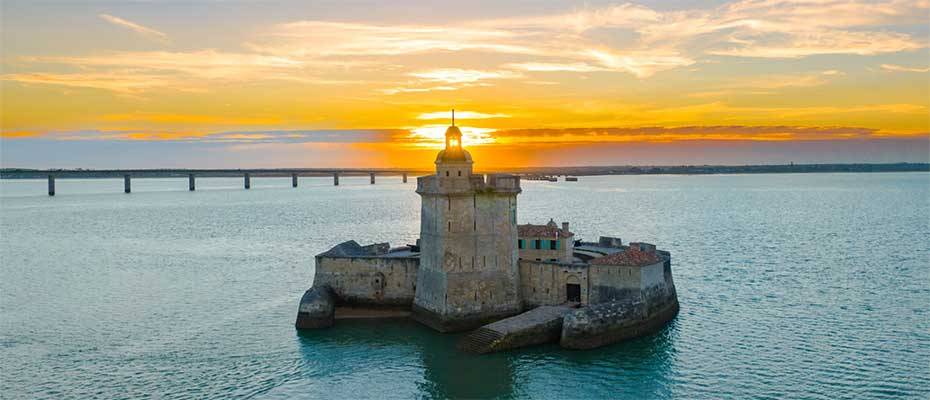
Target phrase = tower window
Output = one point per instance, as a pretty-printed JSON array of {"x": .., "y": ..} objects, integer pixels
[
  {"x": 447, "y": 173},
  {"x": 460, "y": 173},
  {"x": 450, "y": 226}
]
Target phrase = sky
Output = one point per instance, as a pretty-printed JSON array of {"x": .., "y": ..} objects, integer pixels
[{"x": 245, "y": 84}]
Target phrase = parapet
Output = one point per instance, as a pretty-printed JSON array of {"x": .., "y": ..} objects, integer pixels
[
  {"x": 503, "y": 183},
  {"x": 492, "y": 183},
  {"x": 351, "y": 249}
]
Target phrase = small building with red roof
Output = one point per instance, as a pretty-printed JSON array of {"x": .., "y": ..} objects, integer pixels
[{"x": 547, "y": 242}]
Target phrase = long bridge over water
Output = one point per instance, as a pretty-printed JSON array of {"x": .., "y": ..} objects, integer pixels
[
  {"x": 532, "y": 173},
  {"x": 192, "y": 174}
]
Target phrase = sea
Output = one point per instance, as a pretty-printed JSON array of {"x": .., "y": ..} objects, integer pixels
[{"x": 792, "y": 286}]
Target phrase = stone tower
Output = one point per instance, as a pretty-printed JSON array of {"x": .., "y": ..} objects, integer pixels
[{"x": 468, "y": 272}]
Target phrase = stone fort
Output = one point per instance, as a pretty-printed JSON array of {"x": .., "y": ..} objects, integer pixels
[{"x": 474, "y": 265}]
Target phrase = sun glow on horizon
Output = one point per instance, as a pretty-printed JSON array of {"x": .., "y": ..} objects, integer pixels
[{"x": 434, "y": 136}]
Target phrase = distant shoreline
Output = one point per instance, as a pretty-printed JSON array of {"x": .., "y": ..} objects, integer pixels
[{"x": 24, "y": 173}]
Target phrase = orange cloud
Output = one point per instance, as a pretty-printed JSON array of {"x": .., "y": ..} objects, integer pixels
[{"x": 18, "y": 134}]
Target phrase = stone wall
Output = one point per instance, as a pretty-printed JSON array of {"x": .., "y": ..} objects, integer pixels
[
  {"x": 368, "y": 280},
  {"x": 651, "y": 284},
  {"x": 544, "y": 283},
  {"x": 610, "y": 283},
  {"x": 658, "y": 286}
]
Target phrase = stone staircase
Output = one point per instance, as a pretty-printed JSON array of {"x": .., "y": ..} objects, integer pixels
[
  {"x": 480, "y": 341},
  {"x": 537, "y": 326}
]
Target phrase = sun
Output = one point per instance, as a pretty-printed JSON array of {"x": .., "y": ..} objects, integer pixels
[{"x": 434, "y": 136}]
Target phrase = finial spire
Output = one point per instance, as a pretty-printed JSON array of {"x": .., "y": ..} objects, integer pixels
[{"x": 453, "y": 117}]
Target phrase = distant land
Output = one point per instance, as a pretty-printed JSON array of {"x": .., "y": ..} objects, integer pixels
[{"x": 24, "y": 173}]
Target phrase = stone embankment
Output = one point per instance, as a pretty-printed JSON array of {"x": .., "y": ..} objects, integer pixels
[
  {"x": 606, "y": 323},
  {"x": 317, "y": 308},
  {"x": 537, "y": 326}
]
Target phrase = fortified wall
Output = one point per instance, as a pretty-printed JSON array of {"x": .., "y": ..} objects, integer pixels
[
  {"x": 380, "y": 276},
  {"x": 368, "y": 276}
]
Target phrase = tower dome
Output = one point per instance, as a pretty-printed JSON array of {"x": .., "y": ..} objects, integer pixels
[{"x": 453, "y": 151}]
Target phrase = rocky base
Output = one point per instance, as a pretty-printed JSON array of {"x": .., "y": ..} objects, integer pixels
[
  {"x": 317, "y": 308},
  {"x": 602, "y": 324}
]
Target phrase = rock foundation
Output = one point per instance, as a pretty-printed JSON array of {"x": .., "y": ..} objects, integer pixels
[
  {"x": 616, "y": 321},
  {"x": 317, "y": 308}
]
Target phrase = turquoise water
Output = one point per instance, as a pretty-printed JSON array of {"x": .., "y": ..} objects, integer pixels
[{"x": 791, "y": 286}]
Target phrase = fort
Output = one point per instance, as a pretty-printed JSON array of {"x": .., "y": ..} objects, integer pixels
[{"x": 475, "y": 269}]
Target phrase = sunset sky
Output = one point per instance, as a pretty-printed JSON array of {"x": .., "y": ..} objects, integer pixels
[{"x": 217, "y": 84}]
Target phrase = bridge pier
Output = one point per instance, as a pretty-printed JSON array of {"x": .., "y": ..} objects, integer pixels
[
  {"x": 190, "y": 182},
  {"x": 248, "y": 181},
  {"x": 51, "y": 185},
  {"x": 372, "y": 178},
  {"x": 405, "y": 177},
  {"x": 335, "y": 179},
  {"x": 293, "y": 180},
  {"x": 127, "y": 185}
]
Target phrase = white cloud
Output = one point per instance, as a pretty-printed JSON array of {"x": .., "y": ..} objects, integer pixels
[
  {"x": 522, "y": 47},
  {"x": 398, "y": 90},
  {"x": 142, "y": 30},
  {"x": 458, "y": 75},
  {"x": 803, "y": 44},
  {"x": 555, "y": 67},
  {"x": 323, "y": 38},
  {"x": 115, "y": 82},
  {"x": 792, "y": 28},
  {"x": 641, "y": 65},
  {"x": 209, "y": 63},
  {"x": 901, "y": 68}
]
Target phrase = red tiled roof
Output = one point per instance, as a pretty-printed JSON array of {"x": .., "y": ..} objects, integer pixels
[
  {"x": 550, "y": 230},
  {"x": 628, "y": 258}
]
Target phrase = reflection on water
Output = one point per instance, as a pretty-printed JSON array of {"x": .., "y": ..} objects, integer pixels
[
  {"x": 451, "y": 374},
  {"x": 444, "y": 372}
]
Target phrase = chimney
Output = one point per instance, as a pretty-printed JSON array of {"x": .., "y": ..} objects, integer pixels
[{"x": 565, "y": 226}]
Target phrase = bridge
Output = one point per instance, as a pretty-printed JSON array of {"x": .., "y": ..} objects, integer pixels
[
  {"x": 192, "y": 174},
  {"x": 550, "y": 174}
]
